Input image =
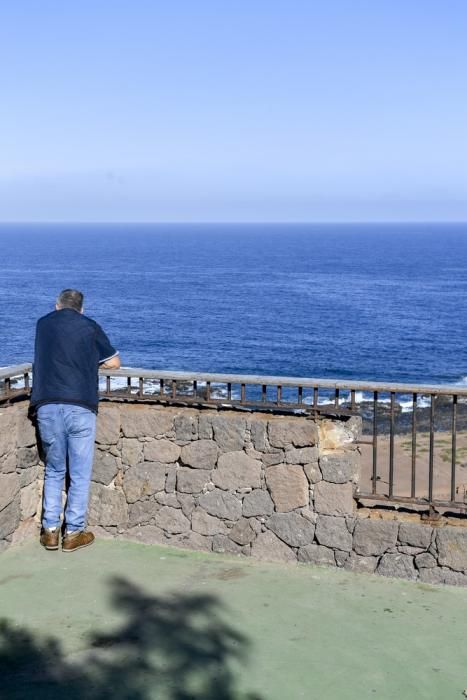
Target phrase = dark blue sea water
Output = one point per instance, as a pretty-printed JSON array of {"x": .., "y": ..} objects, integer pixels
[{"x": 382, "y": 302}]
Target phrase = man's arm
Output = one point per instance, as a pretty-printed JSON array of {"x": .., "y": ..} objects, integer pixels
[
  {"x": 112, "y": 363},
  {"x": 108, "y": 355}
]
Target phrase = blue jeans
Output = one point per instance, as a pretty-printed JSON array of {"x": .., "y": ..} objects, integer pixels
[{"x": 67, "y": 434}]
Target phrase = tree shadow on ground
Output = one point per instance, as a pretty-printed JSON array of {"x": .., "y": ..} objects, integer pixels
[{"x": 174, "y": 647}]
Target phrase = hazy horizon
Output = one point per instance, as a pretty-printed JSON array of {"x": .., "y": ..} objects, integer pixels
[
  {"x": 343, "y": 224},
  {"x": 340, "y": 112}
]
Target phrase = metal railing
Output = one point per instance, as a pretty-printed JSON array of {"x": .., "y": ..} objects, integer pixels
[
  {"x": 15, "y": 382},
  {"x": 403, "y": 460}
]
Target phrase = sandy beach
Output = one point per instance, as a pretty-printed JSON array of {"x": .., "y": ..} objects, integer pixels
[{"x": 403, "y": 465}]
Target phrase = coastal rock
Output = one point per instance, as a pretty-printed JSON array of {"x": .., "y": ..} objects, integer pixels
[
  {"x": 236, "y": 470},
  {"x": 201, "y": 454},
  {"x": 161, "y": 451},
  {"x": 288, "y": 486}
]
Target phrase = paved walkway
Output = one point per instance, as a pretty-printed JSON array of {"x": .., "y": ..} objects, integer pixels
[{"x": 125, "y": 620}]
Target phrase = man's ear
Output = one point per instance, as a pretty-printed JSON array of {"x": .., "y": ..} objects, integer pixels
[{"x": 57, "y": 307}]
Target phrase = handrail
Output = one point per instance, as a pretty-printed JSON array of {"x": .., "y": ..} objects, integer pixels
[
  {"x": 260, "y": 379},
  {"x": 275, "y": 380},
  {"x": 15, "y": 370}
]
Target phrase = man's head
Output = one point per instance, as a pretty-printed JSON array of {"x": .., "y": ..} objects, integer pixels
[{"x": 70, "y": 299}]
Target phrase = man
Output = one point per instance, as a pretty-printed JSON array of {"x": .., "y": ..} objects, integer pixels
[{"x": 69, "y": 349}]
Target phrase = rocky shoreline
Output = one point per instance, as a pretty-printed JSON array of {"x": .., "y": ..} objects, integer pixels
[{"x": 403, "y": 420}]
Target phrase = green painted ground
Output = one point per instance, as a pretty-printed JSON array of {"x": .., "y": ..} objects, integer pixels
[{"x": 124, "y": 620}]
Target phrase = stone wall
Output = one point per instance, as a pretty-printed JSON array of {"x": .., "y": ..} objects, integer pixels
[
  {"x": 275, "y": 487},
  {"x": 20, "y": 475},
  {"x": 272, "y": 487}
]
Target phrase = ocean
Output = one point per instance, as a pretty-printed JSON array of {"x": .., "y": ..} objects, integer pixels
[{"x": 362, "y": 302}]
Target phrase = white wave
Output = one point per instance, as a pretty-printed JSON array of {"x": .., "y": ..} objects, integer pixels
[
  {"x": 407, "y": 404},
  {"x": 404, "y": 401}
]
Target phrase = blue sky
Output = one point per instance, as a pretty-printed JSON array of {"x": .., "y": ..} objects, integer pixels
[{"x": 240, "y": 110}]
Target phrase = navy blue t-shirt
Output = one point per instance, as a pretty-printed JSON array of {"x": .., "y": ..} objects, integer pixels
[{"x": 68, "y": 350}]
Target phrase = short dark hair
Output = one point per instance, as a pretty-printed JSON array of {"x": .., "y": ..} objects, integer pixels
[{"x": 70, "y": 299}]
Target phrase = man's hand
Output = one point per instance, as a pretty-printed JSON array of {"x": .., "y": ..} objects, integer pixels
[{"x": 113, "y": 363}]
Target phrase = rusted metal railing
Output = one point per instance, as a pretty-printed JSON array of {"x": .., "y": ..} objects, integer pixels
[
  {"x": 15, "y": 382},
  {"x": 405, "y": 462}
]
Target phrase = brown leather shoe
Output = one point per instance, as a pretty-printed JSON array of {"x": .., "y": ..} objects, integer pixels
[
  {"x": 77, "y": 540},
  {"x": 49, "y": 538}
]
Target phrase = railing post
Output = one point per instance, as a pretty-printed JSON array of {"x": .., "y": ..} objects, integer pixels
[{"x": 375, "y": 441}]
